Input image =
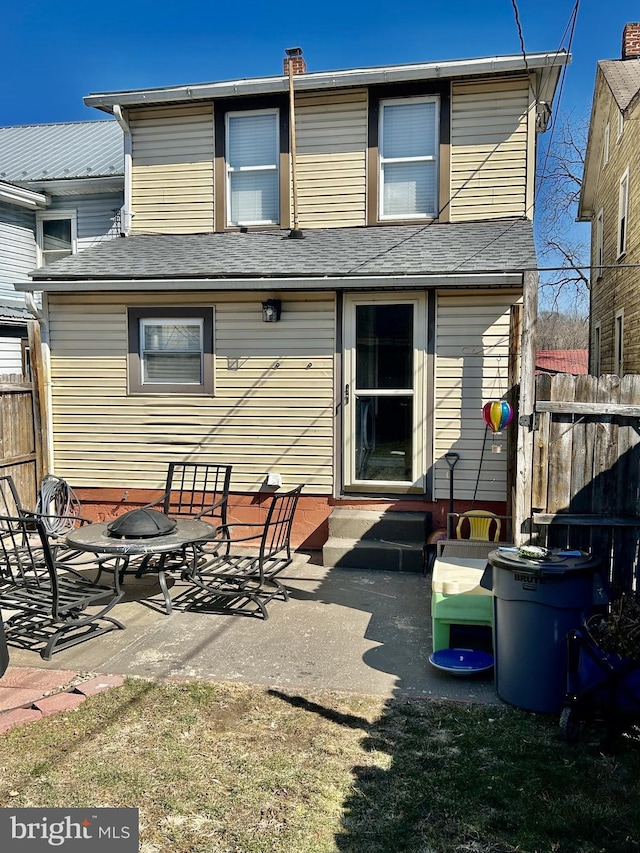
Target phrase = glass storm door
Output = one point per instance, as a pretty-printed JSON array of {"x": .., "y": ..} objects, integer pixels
[{"x": 384, "y": 339}]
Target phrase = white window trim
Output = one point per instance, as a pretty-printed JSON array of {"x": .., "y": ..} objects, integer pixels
[
  {"x": 623, "y": 214},
  {"x": 170, "y": 321},
  {"x": 267, "y": 167},
  {"x": 620, "y": 125},
  {"x": 606, "y": 144},
  {"x": 597, "y": 349},
  {"x": 48, "y": 215},
  {"x": 432, "y": 99},
  {"x": 618, "y": 343},
  {"x": 599, "y": 243}
]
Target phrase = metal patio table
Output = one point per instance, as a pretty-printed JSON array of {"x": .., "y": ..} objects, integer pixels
[{"x": 96, "y": 538}]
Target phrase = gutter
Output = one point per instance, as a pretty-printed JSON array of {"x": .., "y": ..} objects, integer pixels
[
  {"x": 22, "y": 197},
  {"x": 127, "y": 213},
  {"x": 172, "y": 285},
  {"x": 309, "y": 81}
]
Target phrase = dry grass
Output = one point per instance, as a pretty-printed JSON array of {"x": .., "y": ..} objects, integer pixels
[{"x": 240, "y": 769}]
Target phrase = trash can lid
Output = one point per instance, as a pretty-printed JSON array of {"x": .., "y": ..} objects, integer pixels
[
  {"x": 461, "y": 661},
  {"x": 544, "y": 561}
]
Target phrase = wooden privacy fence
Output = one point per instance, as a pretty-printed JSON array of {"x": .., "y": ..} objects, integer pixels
[
  {"x": 19, "y": 437},
  {"x": 586, "y": 469}
]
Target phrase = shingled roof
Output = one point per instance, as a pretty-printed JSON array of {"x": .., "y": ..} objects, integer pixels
[
  {"x": 503, "y": 245},
  {"x": 623, "y": 78}
]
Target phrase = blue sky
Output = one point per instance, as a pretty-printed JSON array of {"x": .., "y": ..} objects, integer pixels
[{"x": 55, "y": 53}]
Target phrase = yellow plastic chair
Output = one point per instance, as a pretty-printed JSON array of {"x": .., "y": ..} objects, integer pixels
[{"x": 482, "y": 524}]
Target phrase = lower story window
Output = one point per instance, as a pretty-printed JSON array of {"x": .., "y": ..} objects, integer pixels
[{"x": 171, "y": 350}]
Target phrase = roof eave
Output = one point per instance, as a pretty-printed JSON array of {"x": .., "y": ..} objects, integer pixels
[
  {"x": 431, "y": 280},
  {"x": 538, "y": 62},
  {"x": 22, "y": 197}
]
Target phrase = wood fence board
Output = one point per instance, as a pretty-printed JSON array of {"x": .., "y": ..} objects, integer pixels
[{"x": 586, "y": 469}]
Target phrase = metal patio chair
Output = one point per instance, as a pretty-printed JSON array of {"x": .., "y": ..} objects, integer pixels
[
  {"x": 50, "y": 602},
  {"x": 244, "y": 575}
]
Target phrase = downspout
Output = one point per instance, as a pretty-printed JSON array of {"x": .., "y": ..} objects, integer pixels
[
  {"x": 127, "y": 213},
  {"x": 46, "y": 416}
]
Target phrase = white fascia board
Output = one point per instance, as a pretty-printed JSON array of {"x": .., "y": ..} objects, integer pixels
[
  {"x": 593, "y": 154},
  {"x": 22, "y": 197},
  {"x": 310, "y": 81},
  {"x": 399, "y": 282},
  {"x": 80, "y": 186}
]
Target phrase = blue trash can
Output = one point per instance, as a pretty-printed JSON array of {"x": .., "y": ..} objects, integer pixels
[{"x": 536, "y": 603}]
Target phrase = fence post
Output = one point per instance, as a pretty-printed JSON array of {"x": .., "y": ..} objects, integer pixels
[
  {"x": 524, "y": 458},
  {"x": 40, "y": 419}
]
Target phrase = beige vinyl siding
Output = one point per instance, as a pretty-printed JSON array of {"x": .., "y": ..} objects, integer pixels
[
  {"x": 331, "y": 143},
  {"x": 472, "y": 348},
  {"x": 172, "y": 169},
  {"x": 489, "y": 141},
  {"x": 272, "y": 410}
]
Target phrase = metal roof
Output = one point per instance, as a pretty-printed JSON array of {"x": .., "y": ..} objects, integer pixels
[
  {"x": 47, "y": 152},
  {"x": 402, "y": 250},
  {"x": 623, "y": 77}
]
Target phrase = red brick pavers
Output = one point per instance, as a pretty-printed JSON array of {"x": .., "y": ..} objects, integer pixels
[{"x": 28, "y": 694}]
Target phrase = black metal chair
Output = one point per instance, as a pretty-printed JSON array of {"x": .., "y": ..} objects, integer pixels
[
  {"x": 50, "y": 599},
  {"x": 243, "y": 575}
]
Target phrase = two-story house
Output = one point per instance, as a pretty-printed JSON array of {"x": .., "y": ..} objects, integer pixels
[
  {"x": 61, "y": 189},
  {"x": 319, "y": 282},
  {"x": 610, "y": 201}
]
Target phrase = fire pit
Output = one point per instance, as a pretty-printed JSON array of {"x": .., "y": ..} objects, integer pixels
[{"x": 141, "y": 524}]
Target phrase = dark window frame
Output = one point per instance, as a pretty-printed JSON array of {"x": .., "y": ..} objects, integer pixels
[{"x": 134, "y": 363}]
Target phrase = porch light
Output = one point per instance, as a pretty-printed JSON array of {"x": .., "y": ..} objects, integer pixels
[{"x": 271, "y": 310}]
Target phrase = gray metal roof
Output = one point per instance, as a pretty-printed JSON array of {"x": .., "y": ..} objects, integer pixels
[
  {"x": 469, "y": 247},
  {"x": 623, "y": 77},
  {"x": 44, "y": 152}
]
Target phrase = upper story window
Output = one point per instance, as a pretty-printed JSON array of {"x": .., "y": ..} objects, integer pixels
[
  {"x": 606, "y": 143},
  {"x": 623, "y": 211},
  {"x": 56, "y": 235},
  {"x": 618, "y": 344},
  {"x": 170, "y": 350},
  {"x": 620, "y": 123},
  {"x": 252, "y": 155},
  {"x": 599, "y": 242},
  {"x": 597, "y": 345},
  {"x": 408, "y": 155}
]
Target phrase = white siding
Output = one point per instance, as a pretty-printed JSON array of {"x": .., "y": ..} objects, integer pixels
[
  {"x": 18, "y": 254},
  {"x": 96, "y": 216},
  {"x": 331, "y": 143},
  {"x": 10, "y": 356},
  {"x": 172, "y": 173},
  {"x": 472, "y": 354},
  {"x": 489, "y": 142},
  {"x": 272, "y": 409}
]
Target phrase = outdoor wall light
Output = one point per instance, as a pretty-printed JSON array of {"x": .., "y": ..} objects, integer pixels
[{"x": 271, "y": 310}]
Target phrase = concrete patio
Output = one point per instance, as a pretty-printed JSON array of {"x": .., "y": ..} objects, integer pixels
[{"x": 365, "y": 631}]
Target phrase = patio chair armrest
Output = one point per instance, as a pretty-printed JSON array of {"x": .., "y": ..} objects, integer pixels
[{"x": 209, "y": 509}]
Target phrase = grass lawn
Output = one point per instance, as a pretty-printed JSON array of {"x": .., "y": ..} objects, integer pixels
[{"x": 242, "y": 769}]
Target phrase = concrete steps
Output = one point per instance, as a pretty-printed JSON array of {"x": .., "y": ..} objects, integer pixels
[{"x": 369, "y": 539}]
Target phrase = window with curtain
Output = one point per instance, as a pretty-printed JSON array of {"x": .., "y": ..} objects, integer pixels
[
  {"x": 408, "y": 153},
  {"x": 171, "y": 350},
  {"x": 252, "y": 147}
]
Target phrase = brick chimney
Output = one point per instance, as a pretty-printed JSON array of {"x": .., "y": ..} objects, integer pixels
[
  {"x": 631, "y": 41},
  {"x": 294, "y": 56}
]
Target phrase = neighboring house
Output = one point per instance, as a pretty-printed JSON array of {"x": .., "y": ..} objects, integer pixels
[
  {"x": 61, "y": 187},
  {"x": 610, "y": 200},
  {"x": 350, "y": 360},
  {"x": 552, "y": 361}
]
